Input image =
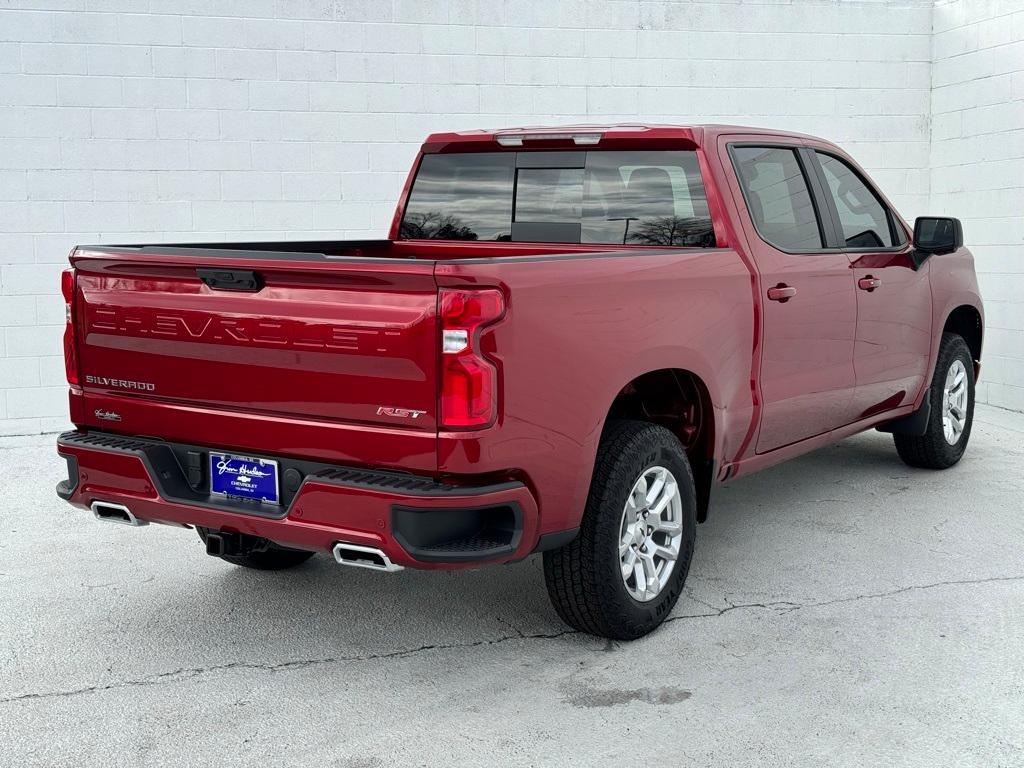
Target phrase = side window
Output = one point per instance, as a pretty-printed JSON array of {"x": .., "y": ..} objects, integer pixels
[
  {"x": 864, "y": 220},
  {"x": 777, "y": 196},
  {"x": 901, "y": 235}
]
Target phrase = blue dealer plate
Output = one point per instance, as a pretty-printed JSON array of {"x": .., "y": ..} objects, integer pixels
[{"x": 244, "y": 477}]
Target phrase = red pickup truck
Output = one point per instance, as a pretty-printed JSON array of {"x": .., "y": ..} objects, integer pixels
[{"x": 570, "y": 338}]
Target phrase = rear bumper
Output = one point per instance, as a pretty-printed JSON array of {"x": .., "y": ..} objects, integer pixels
[{"x": 416, "y": 521}]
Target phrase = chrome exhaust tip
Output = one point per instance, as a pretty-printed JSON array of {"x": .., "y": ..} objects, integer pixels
[
  {"x": 363, "y": 557},
  {"x": 109, "y": 512}
]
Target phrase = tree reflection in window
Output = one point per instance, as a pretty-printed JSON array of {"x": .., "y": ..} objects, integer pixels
[
  {"x": 671, "y": 230},
  {"x": 434, "y": 225}
]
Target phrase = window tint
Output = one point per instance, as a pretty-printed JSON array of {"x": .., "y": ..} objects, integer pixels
[
  {"x": 461, "y": 197},
  {"x": 901, "y": 235},
  {"x": 642, "y": 198},
  {"x": 776, "y": 193},
  {"x": 864, "y": 220}
]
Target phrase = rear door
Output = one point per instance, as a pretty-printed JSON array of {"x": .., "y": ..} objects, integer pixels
[
  {"x": 807, "y": 292},
  {"x": 894, "y": 300},
  {"x": 298, "y": 335}
]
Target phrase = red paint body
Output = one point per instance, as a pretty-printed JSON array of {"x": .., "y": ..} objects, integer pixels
[{"x": 314, "y": 365}]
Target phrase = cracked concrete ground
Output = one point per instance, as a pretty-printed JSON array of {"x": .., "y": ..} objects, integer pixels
[{"x": 842, "y": 610}]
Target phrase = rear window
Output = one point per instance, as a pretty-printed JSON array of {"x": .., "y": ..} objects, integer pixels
[{"x": 633, "y": 198}]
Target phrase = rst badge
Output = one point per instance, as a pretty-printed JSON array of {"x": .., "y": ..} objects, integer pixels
[{"x": 399, "y": 413}]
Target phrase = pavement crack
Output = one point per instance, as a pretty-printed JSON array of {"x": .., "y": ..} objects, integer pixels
[
  {"x": 696, "y": 599},
  {"x": 784, "y": 606},
  {"x": 915, "y": 588},
  {"x": 187, "y": 673},
  {"x": 511, "y": 626}
]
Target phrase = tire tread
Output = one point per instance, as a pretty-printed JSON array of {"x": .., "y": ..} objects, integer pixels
[{"x": 576, "y": 583}]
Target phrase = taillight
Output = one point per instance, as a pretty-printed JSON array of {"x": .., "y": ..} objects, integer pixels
[
  {"x": 469, "y": 381},
  {"x": 67, "y": 287}
]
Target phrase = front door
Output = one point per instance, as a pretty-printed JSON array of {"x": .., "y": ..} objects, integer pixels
[
  {"x": 894, "y": 300},
  {"x": 808, "y": 295}
]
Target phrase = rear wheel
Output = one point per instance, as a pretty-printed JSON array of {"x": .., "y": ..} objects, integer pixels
[
  {"x": 622, "y": 575},
  {"x": 259, "y": 554},
  {"x": 952, "y": 410}
]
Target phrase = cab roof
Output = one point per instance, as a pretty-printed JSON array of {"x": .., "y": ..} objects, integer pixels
[{"x": 635, "y": 134}]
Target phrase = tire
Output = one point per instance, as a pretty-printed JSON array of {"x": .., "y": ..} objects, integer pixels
[
  {"x": 933, "y": 449},
  {"x": 585, "y": 577},
  {"x": 264, "y": 555}
]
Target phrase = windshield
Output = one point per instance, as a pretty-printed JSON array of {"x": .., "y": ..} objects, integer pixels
[{"x": 638, "y": 198}]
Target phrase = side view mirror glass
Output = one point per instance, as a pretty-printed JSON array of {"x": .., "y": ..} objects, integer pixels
[{"x": 937, "y": 234}]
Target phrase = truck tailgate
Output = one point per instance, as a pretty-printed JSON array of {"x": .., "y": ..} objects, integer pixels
[{"x": 320, "y": 339}]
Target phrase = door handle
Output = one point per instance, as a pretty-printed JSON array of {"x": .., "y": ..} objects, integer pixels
[
  {"x": 230, "y": 279},
  {"x": 781, "y": 293},
  {"x": 868, "y": 283}
]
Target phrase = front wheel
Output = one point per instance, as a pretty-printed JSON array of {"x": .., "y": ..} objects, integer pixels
[
  {"x": 622, "y": 575},
  {"x": 952, "y": 410}
]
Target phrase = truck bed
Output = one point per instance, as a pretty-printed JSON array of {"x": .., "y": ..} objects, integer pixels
[{"x": 307, "y": 348}]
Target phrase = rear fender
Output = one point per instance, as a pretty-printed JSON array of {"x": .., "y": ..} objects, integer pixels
[{"x": 658, "y": 358}]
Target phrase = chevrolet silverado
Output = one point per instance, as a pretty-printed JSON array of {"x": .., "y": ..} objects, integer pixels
[{"x": 571, "y": 337}]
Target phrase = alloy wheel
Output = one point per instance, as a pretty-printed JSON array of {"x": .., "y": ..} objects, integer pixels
[{"x": 651, "y": 533}]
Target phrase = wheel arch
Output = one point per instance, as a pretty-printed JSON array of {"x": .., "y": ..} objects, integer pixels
[
  {"x": 966, "y": 321},
  {"x": 679, "y": 400}
]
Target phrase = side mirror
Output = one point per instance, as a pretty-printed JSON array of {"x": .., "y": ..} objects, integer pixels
[{"x": 937, "y": 234}]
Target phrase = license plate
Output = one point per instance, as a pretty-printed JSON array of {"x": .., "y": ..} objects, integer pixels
[{"x": 244, "y": 477}]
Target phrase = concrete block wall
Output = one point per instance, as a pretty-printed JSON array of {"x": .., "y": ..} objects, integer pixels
[
  {"x": 977, "y": 168},
  {"x": 157, "y": 120}
]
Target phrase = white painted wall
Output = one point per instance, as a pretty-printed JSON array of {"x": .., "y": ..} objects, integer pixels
[
  {"x": 151, "y": 120},
  {"x": 977, "y": 168}
]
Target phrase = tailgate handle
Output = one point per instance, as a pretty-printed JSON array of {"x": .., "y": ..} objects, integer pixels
[{"x": 230, "y": 279}]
